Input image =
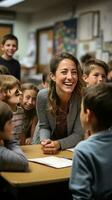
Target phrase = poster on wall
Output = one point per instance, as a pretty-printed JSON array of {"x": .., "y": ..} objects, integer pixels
[{"x": 65, "y": 36}]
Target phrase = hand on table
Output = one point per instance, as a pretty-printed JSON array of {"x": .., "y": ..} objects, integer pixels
[{"x": 50, "y": 146}]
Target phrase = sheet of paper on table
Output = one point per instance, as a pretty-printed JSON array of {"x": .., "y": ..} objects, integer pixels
[
  {"x": 71, "y": 149},
  {"x": 53, "y": 161}
]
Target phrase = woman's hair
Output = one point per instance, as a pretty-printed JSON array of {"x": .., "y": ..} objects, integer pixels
[
  {"x": 55, "y": 61},
  {"x": 5, "y": 114},
  {"x": 98, "y": 98}
]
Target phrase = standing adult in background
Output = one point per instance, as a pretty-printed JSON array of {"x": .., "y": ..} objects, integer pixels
[
  {"x": 58, "y": 106},
  {"x": 9, "y": 46}
]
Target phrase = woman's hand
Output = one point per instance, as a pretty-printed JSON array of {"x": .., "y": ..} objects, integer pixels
[{"x": 50, "y": 147}]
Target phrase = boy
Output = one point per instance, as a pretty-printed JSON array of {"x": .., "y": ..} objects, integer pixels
[
  {"x": 91, "y": 176},
  {"x": 9, "y": 46},
  {"x": 95, "y": 71}
]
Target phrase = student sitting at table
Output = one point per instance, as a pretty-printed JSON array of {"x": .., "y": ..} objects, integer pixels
[
  {"x": 28, "y": 103},
  {"x": 11, "y": 156},
  {"x": 91, "y": 176},
  {"x": 10, "y": 92},
  {"x": 58, "y": 106}
]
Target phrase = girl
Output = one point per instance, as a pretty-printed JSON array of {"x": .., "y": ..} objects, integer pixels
[
  {"x": 11, "y": 94},
  {"x": 28, "y": 103}
]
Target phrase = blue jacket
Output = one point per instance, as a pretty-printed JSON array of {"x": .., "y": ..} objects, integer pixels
[{"x": 91, "y": 176}]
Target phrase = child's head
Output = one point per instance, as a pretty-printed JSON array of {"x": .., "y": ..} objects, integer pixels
[
  {"x": 95, "y": 71},
  {"x": 10, "y": 89},
  {"x": 29, "y": 91},
  {"x": 4, "y": 70},
  {"x": 5, "y": 121},
  {"x": 9, "y": 45},
  {"x": 96, "y": 108},
  {"x": 84, "y": 58}
]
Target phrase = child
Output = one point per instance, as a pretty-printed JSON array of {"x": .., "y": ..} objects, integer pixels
[
  {"x": 9, "y": 46},
  {"x": 95, "y": 71},
  {"x": 28, "y": 103},
  {"x": 11, "y": 94},
  {"x": 91, "y": 176},
  {"x": 85, "y": 57},
  {"x": 11, "y": 156},
  {"x": 4, "y": 70}
]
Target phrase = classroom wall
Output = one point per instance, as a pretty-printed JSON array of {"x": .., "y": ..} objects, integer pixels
[{"x": 25, "y": 23}]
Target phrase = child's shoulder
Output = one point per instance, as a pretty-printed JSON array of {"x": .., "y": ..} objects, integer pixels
[{"x": 20, "y": 109}]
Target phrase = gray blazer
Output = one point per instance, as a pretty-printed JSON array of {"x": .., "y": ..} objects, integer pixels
[{"x": 47, "y": 122}]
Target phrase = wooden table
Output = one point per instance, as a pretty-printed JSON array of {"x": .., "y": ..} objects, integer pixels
[{"x": 41, "y": 182}]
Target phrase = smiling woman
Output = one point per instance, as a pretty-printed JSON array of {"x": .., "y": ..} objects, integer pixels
[{"x": 58, "y": 107}]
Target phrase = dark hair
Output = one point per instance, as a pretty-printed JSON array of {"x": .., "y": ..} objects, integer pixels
[
  {"x": 45, "y": 76},
  {"x": 98, "y": 98},
  {"x": 9, "y": 37},
  {"x": 53, "y": 98},
  {"x": 5, "y": 114},
  {"x": 87, "y": 56},
  {"x": 92, "y": 63}
]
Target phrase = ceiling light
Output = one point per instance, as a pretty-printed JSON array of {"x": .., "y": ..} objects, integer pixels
[{"x": 8, "y": 3}]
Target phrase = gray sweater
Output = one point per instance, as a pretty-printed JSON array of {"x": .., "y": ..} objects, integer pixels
[{"x": 12, "y": 158}]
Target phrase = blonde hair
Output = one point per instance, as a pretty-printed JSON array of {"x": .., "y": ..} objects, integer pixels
[{"x": 7, "y": 82}]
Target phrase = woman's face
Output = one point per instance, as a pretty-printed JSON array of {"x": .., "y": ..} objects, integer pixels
[{"x": 66, "y": 77}]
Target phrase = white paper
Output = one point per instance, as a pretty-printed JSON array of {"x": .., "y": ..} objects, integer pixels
[
  {"x": 53, "y": 161},
  {"x": 71, "y": 149}
]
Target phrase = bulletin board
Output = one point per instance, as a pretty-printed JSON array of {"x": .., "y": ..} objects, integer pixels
[
  {"x": 44, "y": 47},
  {"x": 88, "y": 26},
  {"x": 65, "y": 36},
  {"x": 85, "y": 26}
]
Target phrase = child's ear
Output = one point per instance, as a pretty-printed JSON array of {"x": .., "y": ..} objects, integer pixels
[
  {"x": 84, "y": 76},
  {"x": 91, "y": 118},
  {"x": 89, "y": 115},
  {"x": 2, "y": 47},
  {"x": 52, "y": 76}
]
